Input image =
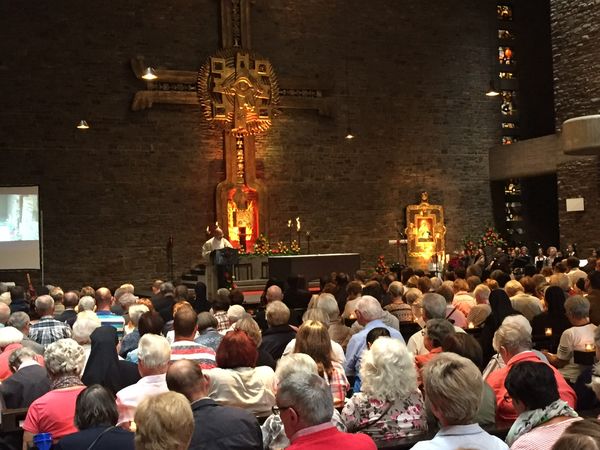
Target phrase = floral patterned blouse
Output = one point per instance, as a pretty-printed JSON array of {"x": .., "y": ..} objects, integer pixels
[{"x": 405, "y": 417}]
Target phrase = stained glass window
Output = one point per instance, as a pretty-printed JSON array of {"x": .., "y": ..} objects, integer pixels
[
  {"x": 505, "y": 34},
  {"x": 504, "y": 12},
  {"x": 509, "y": 106},
  {"x": 506, "y": 55}
]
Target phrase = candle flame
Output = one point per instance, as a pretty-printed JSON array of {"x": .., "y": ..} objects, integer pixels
[{"x": 297, "y": 223}]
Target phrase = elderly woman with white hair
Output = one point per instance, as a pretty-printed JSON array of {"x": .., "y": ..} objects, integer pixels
[
  {"x": 86, "y": 303},
  {"x": 390, "y": 406},
  {"x": 54, "y": 412},
  {"x": 84, "y": 326},
  {"x": 580, "y": 337},
  {"x": 513, "y": 343},
  {"x": 273, "y": 432}
]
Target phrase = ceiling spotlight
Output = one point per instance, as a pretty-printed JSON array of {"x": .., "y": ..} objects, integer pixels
[
  {"x": 349, "y": 134},
  {"x": 491, "y": 92},
  {"x": 149, "y": 74},
  {"x": 82, "y": 125}
]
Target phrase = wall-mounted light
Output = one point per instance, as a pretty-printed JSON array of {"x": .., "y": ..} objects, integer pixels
[
  {"x": 349, "y": 134},
  {"x": 82, "y": 125},
  {"x": 149, "y": 74},
  {"x": 492, "y": 92}
]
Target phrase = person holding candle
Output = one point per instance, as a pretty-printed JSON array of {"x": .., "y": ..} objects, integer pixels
[
  {"x": 574, "y": 339},
  {"x": 552, "y": 322}
]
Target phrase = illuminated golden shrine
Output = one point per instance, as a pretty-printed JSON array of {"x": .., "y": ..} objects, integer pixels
[{"x": 426, "y": 234}]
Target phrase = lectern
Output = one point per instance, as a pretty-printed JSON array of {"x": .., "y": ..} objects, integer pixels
[{"x": 224, "y": 259}]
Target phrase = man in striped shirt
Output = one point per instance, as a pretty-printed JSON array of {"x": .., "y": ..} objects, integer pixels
[
  {"x": 185, "y": 326},
  {"x": 104, "y": 301}
]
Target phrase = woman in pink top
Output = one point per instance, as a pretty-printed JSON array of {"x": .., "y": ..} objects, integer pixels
[
  {"x": 543, "y": 416},
  {"x": 54, "y": 412}
]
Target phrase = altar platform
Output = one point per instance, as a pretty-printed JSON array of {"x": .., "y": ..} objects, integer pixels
[{"x": 312, "y": 267}]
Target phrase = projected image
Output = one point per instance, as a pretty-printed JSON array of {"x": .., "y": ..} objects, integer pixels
[{"x": 19, "y": 218}]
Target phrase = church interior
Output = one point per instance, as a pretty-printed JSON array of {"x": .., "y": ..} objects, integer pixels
[{"x": 305, "y": 123}]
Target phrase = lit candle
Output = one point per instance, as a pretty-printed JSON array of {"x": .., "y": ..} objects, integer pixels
[
  {"x": 589, "y": 347},
  {"x": 289, "y": 223},
  {"x": 548, "y": 331},
  {"x": 297, "y": 223},
  {"x": 471, "y": 325}
]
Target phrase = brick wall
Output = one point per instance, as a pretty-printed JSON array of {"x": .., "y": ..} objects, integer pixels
[
  {"x": 576, "y": 55},
  {"x": 111, "y": 196}
]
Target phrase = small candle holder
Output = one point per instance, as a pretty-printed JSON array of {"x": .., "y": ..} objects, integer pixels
[
  {"x": 590, "y": 348},
  {"x": 548, "y": 331},
  {"x": 471, "y": 325}
]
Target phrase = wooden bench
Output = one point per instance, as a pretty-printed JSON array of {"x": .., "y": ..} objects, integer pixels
[{"x": 12, "y": 419}]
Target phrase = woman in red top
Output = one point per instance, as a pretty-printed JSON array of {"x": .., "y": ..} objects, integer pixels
[{"x": 54, "y": 412}]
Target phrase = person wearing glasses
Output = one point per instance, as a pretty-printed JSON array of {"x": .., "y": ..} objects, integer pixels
[{"x": 305, "y": 405}]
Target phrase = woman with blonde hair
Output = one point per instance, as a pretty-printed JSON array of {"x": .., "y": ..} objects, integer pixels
[
  {"x": 390, "y": 406},
  {"x": 313, "y": 339}
]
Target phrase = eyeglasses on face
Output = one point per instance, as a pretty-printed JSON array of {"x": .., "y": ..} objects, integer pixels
[{"x": 277, "y": 409}]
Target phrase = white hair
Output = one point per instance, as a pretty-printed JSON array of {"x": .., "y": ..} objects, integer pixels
[
  {"x": 512, "y": 336},
  {"x": 64, "y": 357},
  {"x": 482, "y": 292},
  {"x": 135, "y": 312},
  {"x": 295, "y": 363},
  {"x": 5, "y": 298},
  {"x": 235, "y": 313},
  {"x": 396, "y": 288},
  {"x": 10, "y": 335},
  {"x": 44, "y": 303},
  {"x": 387, "y": 370},
  {"x": 328, "y": 303},
  {"x": 369, "y": 307},
  {"x": 86, "y": 303},
  {"x": 154, "y": 351},
  {"x": 127, "y": 299},
  {"x": 519, "y": 321},
  {"x": 84, "y": 326}
]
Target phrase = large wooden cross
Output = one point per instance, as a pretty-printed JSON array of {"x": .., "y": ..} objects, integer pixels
[{"x": 238, "y": 91}]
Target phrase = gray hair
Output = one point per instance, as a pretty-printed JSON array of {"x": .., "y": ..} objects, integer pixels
[
  {"x": 167, "y": 287},
  {"x": 206, "y": 320},
  {"x": 453, "y": 385},
  {"x": 135, "y": 312},
  {"x": 437, "y": 330},
  {"x": 126, "y": 300},
  {"x": 369, "y": 307},
  {"x": 84, "y": 326},
  {"x": 44, "y": 304},
  {"x": 20, "y": 355},
  {"x": 64, "y": 357},
  {"x": 512, "y": 337},
  {"x": 519, "y": 321},
  {"x": 396, "y": 289},
  {"x": 577, "y": 307},
  {"x": 154, "y": 351},
  {"x": 10, "y": 335},
  {"x": 19, "y": 320},
  {"x": 387, "y": 370},
  {"x": 309, "y": 395},
  {"x": 328, "y": 303},
  {"x": 412, "y": 295},
  {"x": 434, "y": 306},
  {"x": 86, "y": 303},
  {"x": 277, "y": 313},
  {"x": 295, "y": 363}
]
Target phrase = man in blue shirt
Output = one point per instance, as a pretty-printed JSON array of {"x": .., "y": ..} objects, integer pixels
[{"x": 368, "y": 314}]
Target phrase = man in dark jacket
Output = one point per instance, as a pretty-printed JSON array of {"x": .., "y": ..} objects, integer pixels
[
  {"x": 28, "y": 382},
  {"x": 18, "y": 300},
  {"x": 216, "y": 427},
  {"x": 279, "y": 334}
]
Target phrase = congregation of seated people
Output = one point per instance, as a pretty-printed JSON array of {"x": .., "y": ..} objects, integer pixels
[{"x": 492, "y": 353}]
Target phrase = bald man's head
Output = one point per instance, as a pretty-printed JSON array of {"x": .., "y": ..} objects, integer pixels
[
  {"x": 4, "y": 313},
  {"x": 274, "y": 293},
  {"x": 186, "y": 377},
  {"x": 103, "y": 298}
]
